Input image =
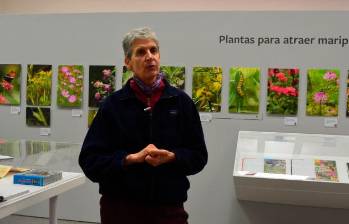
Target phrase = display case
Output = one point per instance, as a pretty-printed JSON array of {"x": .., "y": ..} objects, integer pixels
[
  {"x": 292, "y": 168},
  {"x": 52, "y": 169},
  {"x": 34, "y": 154}
]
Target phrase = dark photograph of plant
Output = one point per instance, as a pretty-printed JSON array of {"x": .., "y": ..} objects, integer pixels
[
  {"x": 101, "y": 83},
  {"x": 38, "y": 116}
]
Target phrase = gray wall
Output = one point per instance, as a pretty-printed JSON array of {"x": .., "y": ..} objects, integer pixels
[{"x": 187, "y": 39}]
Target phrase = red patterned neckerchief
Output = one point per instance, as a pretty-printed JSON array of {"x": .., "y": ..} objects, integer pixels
[{"x": 149, "y": 95}]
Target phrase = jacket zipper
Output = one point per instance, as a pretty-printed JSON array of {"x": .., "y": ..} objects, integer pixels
[
  {"x": 152, "y": 177},
  {"x": 150, "y": 120},
  {"x": 152, "y": 170}
]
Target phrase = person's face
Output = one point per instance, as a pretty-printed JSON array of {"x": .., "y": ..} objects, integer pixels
[{"x": 145, "y": 60}]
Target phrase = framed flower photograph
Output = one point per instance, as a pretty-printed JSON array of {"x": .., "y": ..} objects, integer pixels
[
  {"x": 283, "y": 91},
  {"x": 70, "y": 85},
  {"x": 322, "y": 92},
  {"x": 101, "y": 83},
  {"x": 10, "y": 84}
]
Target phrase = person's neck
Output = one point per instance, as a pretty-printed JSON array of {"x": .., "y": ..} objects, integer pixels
[{"x": 148, "y": 82}]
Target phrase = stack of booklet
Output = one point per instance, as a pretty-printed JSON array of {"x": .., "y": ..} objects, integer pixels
[{"x": 37, "y": 177}]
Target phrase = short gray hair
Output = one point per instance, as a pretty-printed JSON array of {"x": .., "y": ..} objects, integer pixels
[{"x": 138, "y": 33}]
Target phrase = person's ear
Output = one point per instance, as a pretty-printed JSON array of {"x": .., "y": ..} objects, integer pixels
[{"x": 127, "y": 62}]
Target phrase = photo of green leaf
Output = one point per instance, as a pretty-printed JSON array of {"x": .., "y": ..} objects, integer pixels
[
  {"x": 175, "y": 75},
  {"x": 244, "y": 89},
  {"x": 38, "y": 116},
  {"x": 101, "y": 83},
  {"x": 39, "y": 80},
  {"x": 322, "y": 92},
  {"x": 70, "y": 85},
  {"x": 126, "y": 75},
  {"x": 207, "y": 88},
  {"x": 283, "y": 93},
  {"x": 10, "y": 84}
]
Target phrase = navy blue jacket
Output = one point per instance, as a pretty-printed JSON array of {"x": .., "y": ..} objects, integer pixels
[{"x": 122, "y": 127}]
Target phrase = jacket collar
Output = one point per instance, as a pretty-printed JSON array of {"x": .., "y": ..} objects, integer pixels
[{"x": 127, "y": 92}]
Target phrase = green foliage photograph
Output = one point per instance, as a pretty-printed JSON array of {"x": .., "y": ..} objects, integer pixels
[
  {"x": 175, "y": 75},
  {"x": 91, "y": 115},
  {"x": 283, "y": 91},
  {"x": 38, "y": 116},
  {"x": 39, "y": 80},
  {"x": 244, "y": 89},
  {"x": 207, "y": 88},
  {"x": 322, "y": 92},
  {"x": 126, "y": 75}
]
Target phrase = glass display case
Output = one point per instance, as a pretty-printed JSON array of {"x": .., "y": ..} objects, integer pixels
[
  {"x": 48, "y": 155},
  {"x": 33, "y": 171},
  {"x": 292, "y": 168}
]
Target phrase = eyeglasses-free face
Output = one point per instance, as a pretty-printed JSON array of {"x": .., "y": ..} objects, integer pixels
[{"x": 145, "y": 60}]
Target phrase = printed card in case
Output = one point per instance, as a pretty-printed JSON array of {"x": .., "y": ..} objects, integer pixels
[{"x": 37, "y": 177}]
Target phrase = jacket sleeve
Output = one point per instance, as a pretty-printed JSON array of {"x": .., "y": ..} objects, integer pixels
[
  {"x": 98, "y": 158},
  {"x": 191, "y": 158}
]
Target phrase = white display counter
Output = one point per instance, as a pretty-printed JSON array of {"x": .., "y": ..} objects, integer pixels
[
  {"x": 54, "y": 156},
  {"x": 35, "y": 194},
  {"x": 290, "y": 168}
]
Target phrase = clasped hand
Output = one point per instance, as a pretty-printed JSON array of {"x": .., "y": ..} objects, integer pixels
[{"x": 150, "y": 154}]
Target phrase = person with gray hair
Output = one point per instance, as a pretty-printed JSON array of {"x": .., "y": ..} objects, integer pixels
[
  {"x": 143, "y": 143},
  {"x": 140, "y": 33}
]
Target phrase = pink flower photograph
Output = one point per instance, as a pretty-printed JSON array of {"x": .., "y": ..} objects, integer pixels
[
  {"x": 70, "y": 85},
  {"x": 322, "y": 92}
]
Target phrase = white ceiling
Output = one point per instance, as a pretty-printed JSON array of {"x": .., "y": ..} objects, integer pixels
[{"x": 82, "y": 6}]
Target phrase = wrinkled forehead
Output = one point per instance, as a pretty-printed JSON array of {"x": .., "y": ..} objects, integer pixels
[{"x": 143, "y": 42}]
